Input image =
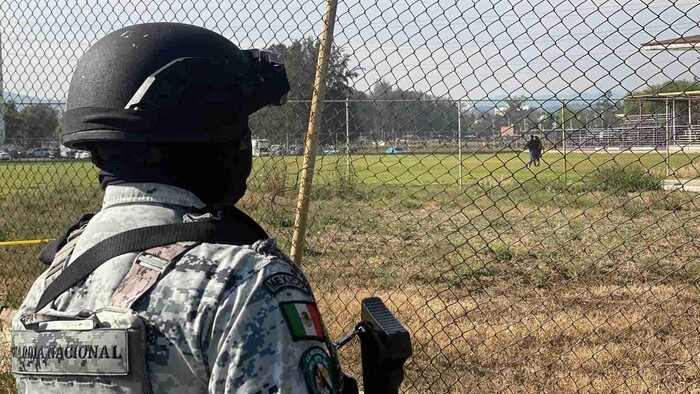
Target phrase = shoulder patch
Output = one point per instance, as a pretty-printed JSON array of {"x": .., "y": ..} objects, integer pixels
[
  {"x": 303, "y": 320},
  {"x": 317, "y": 368},
  {"x": 285, "y": 280}
]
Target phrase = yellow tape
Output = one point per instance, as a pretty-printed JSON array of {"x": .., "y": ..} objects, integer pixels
[{"x": 25, "y": 242}]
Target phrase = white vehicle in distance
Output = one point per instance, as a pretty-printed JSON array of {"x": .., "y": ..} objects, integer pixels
[
  {"x": 261, "y": 147},
  {"x": 276, "y": 150},
  {"x": 5, "y": 155},
  {"x": 67, "y": 153},
  {"x": 295, "y": 150},
  {"x": 83, "y": 155}
]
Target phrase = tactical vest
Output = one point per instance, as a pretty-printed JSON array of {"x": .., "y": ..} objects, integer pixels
[{"x": 102, "y": 351}]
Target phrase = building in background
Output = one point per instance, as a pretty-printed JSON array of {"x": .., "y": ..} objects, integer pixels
[
  {"x": 674, "y": 44},
  {"x": 507, "y": 131},
  {"x": 667, "y": 119}
]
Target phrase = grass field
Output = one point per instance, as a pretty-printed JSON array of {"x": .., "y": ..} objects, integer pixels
[{"x": 522, "y": 280}]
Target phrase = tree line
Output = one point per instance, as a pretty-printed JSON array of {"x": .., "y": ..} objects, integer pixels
[
  {"x": 384, "y": 113},
  {"x": 32, "y": 125},
  {"x": 389, "y": 113}
]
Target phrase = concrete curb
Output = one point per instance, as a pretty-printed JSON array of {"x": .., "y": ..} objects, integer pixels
[{"x": 688, "y": 185}]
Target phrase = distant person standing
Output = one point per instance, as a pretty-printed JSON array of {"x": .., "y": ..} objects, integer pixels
[
  {"x": 539, "y": 149},
  {"x": 531, "y": 147}
]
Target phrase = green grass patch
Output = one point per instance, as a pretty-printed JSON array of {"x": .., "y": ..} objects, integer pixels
[
  {"x": 618, "y": 178},
  {"x": 500, "y": 250}
]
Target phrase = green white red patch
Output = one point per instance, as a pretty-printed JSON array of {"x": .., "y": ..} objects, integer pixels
[
  {"x": 318, "y": 372},
  {"x": 303, "y": 320}
]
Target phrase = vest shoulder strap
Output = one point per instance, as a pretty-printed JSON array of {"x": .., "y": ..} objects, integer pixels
[
  {"x": 62, "y": 256},
  {"x": 148, "y": 268},
  {"x": 241, "y": 231}
]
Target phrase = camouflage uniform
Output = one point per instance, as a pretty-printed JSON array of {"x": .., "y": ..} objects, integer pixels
[{"x": 220, "y": 320}]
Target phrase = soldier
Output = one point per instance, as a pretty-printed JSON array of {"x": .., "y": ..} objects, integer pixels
[
  {"x": 539, "y": 149},
  {"x": 163, "y": 108},
  {"x": 531, "y": 147}
]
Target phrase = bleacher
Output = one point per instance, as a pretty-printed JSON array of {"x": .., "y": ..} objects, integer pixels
[{"x": 637, "y": 131}]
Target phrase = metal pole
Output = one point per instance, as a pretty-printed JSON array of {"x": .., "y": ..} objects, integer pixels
[
  {"x": 459, "y": 132},
  {"x": 563, "y": 139},
  {"x": 563, "y": 144},
  {"x": 347, "y": 136},
  {"x": 673, "y": 114},
  {"x": 639, "y": 125},
  {"x": 690, "y": 122},
  {"x": 2, "y": 101},
  {"x": 310, "y": 142},
  {"x": 668, "y": 151},
  {"x": 562, "y": 116}
]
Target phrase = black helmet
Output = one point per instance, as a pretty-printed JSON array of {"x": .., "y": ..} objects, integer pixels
[{"x": 168, "y": 83}]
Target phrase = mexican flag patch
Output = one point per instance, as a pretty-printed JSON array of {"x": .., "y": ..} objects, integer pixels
[{"x": 303, "y": 320}]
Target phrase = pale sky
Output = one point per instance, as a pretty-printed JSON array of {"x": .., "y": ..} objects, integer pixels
[{"x": 457, "y": 49}]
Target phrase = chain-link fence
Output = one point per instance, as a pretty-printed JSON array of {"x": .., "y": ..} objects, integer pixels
[{"x": 561, "y": 266}]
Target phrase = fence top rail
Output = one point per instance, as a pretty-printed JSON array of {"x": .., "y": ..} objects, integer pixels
[{"x": 663, "y": 96}]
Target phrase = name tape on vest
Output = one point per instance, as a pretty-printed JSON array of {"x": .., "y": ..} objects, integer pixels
[{"x": 70, "y": 352}]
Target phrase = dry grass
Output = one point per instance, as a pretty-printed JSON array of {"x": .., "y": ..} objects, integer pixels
[
  {"x": 7, "y": 382},
  {"x": 588, "y": 293},
  {"x": 543, "y": 341},
  {"x": 689, "y": 171}
]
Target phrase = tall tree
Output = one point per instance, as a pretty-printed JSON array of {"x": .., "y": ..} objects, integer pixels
[
  {"x": 399, "y": 113},
  {"x": 41, "y": 124},
  {"x": 34, "y": 125},
  {"x": 290, "y": 121},
  {"x": 14, "y": 127}
]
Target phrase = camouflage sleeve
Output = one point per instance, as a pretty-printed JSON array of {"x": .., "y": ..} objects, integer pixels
[
  {"x": 268, "y": 337},
  {"x": 30, "y": 301}
]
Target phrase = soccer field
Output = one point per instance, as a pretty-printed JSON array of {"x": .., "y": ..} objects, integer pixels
[
  {"x": 443, "y": 169},
  {"x": 40, "y": 198},
  {"x": 405, "y": 169}
]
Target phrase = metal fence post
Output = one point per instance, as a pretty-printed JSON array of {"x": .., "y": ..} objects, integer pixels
[
  {"x": 668, "y": 143},
  {"x": 459, "y": 133},
  {"x": 347, "y": 137},
  {"x": 690, "y": 123},
  {"x": 563, "y": 145},
  {"x": 563, "y": 139},
  {"x": 2, "y": 100},
  {"x": 673, "y": 121}
]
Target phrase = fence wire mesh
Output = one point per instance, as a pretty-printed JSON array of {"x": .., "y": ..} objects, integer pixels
[{"x": 576, "y": 271}]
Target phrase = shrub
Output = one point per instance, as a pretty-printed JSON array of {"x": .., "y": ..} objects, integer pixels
[{"x": 625, "y": 179}]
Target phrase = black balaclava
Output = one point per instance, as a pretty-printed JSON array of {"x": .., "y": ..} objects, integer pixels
[{"x": 216, "y": 173}]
